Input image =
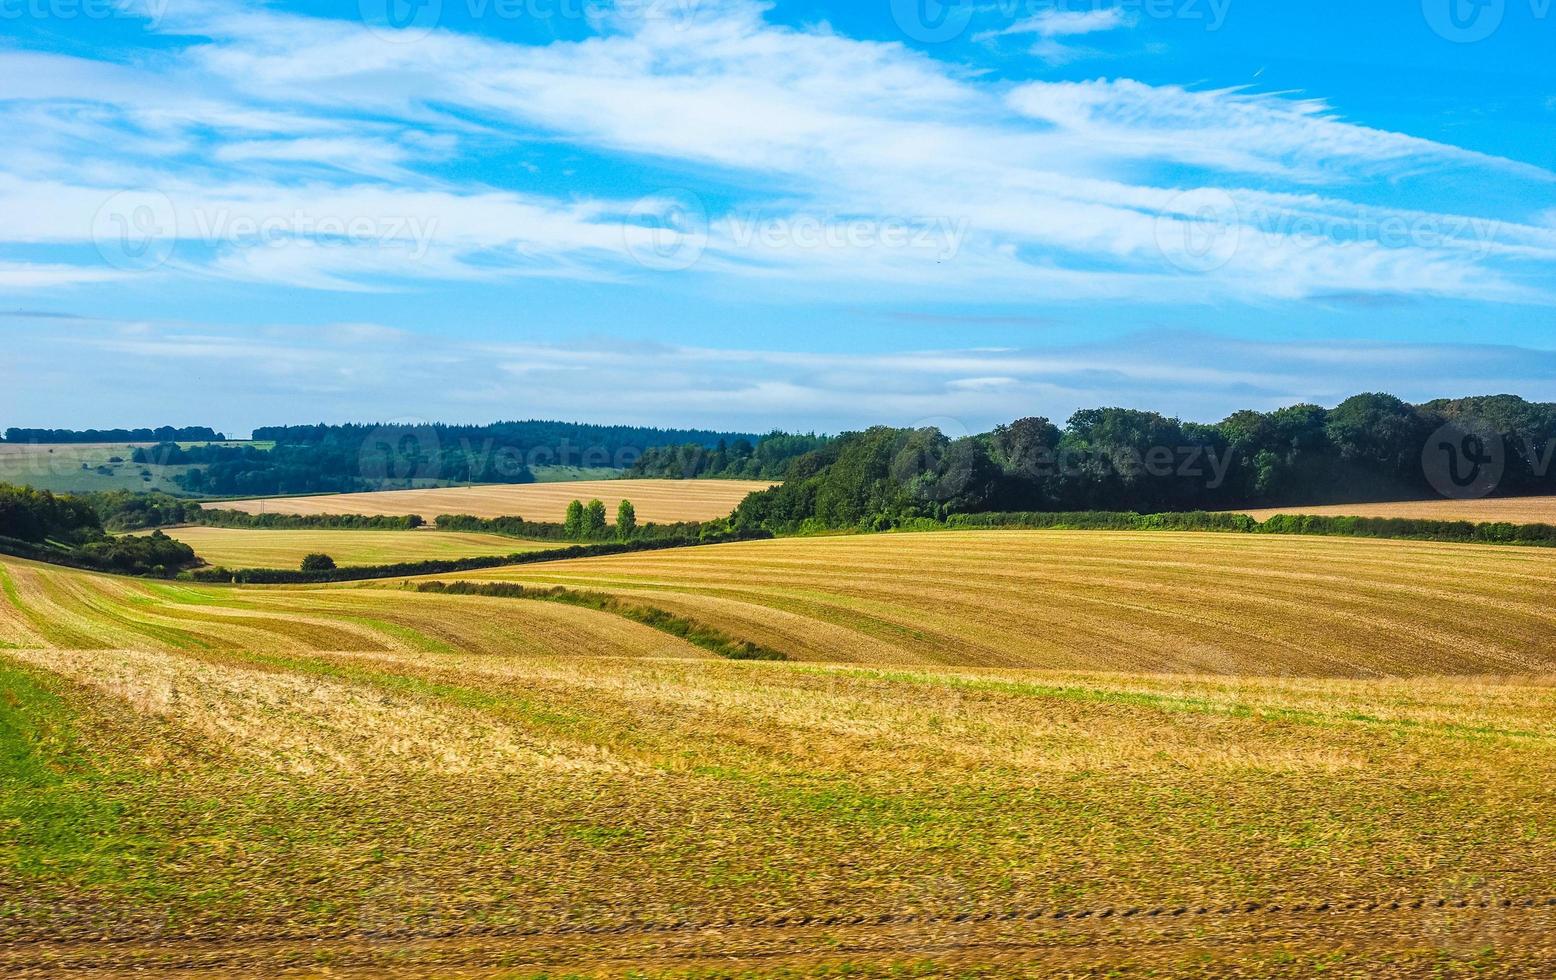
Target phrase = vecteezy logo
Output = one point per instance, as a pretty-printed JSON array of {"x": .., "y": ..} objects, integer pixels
[
  {"x": 1464, "y": 21},
  {"x": 135, "y": 230},
  {"x": 395, "y": 453},
  {"x": 1200, "y": 230},
  {"x": 1464, "y": 460},
  {"x": 932, "y": 21},
  {"x": 667, "y": 232},
  {"x": 401, "y": 21}
]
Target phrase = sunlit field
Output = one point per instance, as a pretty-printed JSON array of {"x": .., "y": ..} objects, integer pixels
[
  {"x": 661, "y": 501},
  {"x": 1002, "y": 752},
  {"x": 249, "y": 548},
  {"x": 1513, "y": 510},
  {"x": 1150, "y": 601}
]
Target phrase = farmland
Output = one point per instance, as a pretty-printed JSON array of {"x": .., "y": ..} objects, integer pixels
[
  {"x": 1513, "y": 510},
  {"x": 662, "y": 501},
  {"x": 77, "y": 467},
  {"x": 248, "y": 548},
  {"x": 1147, "y": 726},
  {"x": 1149, "y": 601}
]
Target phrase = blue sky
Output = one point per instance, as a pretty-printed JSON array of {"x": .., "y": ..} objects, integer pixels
[{"x": 809, "y": 215}]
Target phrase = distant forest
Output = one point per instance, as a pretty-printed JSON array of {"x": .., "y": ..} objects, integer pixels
[
  {"x": 345, "y": 458},
  {"x": 165, "y": 433},
  {"x": 1371, "y": 447},
  {"x": 767, "y": 459},
  {"x": 69, "y": 529}
]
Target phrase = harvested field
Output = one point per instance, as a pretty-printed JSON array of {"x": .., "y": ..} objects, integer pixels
[
  {"x": 1513, "y": 510},
  {"x": 661, "y": 501},
  {"x": 249, "y": 548},
  {"x": 1149, "y": 601},
  {"x": 372, "y": 778}
]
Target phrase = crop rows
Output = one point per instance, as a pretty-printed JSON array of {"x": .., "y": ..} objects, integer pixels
[
  {"x": 1138, "y": 602},
  {"x": 230, "y": 765}
]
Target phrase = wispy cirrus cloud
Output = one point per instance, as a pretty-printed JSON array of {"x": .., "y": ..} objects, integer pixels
[
  {"x": 257, "y": 118},
  {"x": 1051, "y": 25}
]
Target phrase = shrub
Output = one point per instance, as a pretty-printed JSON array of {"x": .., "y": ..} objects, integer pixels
[{"x": 318, "y": 563}]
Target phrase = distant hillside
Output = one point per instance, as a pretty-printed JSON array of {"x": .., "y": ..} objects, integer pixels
[
  {"x": 165, "y": 433},
  {"x": 356, "y": 457}
]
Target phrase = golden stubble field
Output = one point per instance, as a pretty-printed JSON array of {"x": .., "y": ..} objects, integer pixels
[
  {"x": 1146, "y": 601},
  {"x": 1513, "y": 510},
  {"x": 373, "y": 778},
  {"x": 661, "y": 501},
  {"x": 251, "y": 548}
]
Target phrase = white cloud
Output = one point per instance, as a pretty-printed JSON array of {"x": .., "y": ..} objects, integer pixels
[
  {"x": 269, "y": 115},
  {"x": 1051, "y": 24},
  {"x": 1234, "y": 131},
  {"x": 1070, "y": 23}
]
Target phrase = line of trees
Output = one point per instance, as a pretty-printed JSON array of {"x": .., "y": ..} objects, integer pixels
[
  {"x": 586, "y": 522},
  {"x": 164, "y": 433},
  {"x": 766, "y": 459},
  {"x": 535, "y": 442},
  {"x": 1368, "y": 448},
  {"x": 348, "y": 458},
  {"x": 335, "y": 465},
  {"x": 67, "y": 530}
]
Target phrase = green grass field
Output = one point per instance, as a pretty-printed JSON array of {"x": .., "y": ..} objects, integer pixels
[
  {"x": 573, "y": 474},
  {"x": 248, "y": 548},
  {"x": 76, "y": 468}
]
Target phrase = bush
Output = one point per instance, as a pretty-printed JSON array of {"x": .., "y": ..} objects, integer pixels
[
  {"x": 518, "y": 527},
  {"x": 1093, "y": 520},
  {"x": 333, "y": 522},
  {"x": 698, "y": 634},
  {"x": 318, "y": 562},
  {"x": 1411, "y": 528},
  {"x": 139, "y": 554},
  {"x": 442, "y": 566}
]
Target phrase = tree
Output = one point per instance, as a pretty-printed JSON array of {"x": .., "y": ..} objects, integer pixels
[
  {"x": 1381, "y": 438},
  {"x": 1027, "y": 450},
  {"x": 594, "y": 520},
  {"x": 626, "y": 520},
  {"x": 318, "y": 563},
  {"x": 573, "y": 524}
]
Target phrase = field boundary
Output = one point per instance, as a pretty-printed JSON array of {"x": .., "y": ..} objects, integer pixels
[
  {"x": 446, "y": 566},
  {"x": 1228, "y": 522},
  {"x": 696, "y": 633}
]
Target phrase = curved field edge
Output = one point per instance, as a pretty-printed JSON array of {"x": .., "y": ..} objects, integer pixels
[
  {"x": 47, "y": 607},
  {"x": 285, "y": 548},
  {"x": 1097, "y": 600},
  {"x": 698, "y": 634}
]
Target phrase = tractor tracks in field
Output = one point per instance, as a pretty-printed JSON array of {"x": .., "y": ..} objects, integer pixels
[{"x": 793, "y": 937}]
